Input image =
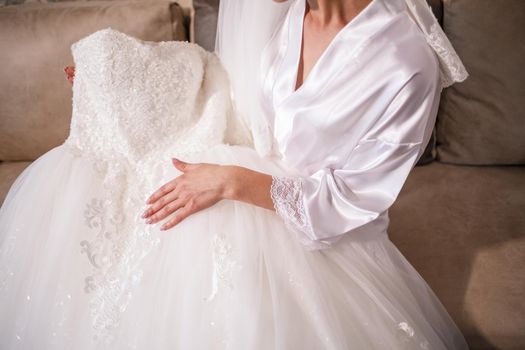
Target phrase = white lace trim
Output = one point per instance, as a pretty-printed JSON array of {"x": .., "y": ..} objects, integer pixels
[
  {"x": 287, "y": 198},
  {"x": 451, "y": 68},
  {"x": 286, "y": 193}
]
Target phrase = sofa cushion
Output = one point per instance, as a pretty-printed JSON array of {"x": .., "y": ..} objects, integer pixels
[
  {"x": 35, "y": 40},
  {"x": 463, "y": 229},
  {"x": 481, "y": 120},
  {"x": 205, "y": 22}
]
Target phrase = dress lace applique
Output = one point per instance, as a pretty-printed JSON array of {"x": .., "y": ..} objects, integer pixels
[
  {"x": 223, "y": 265},
  {"x": 406, "y": 334},
  {"x": 119, "y": 242}
]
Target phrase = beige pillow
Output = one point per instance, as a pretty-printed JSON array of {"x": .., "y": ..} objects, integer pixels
[
  {"x": 482, "y": 120},
  {"x": 205, "y": 22},
  {"x": 35, "y": 40}
]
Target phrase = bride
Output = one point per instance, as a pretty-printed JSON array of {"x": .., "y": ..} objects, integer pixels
[{"x": 237, "y": 200}]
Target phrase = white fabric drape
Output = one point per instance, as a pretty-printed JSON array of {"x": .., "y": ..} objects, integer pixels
[{"x": 250, "y": 24}]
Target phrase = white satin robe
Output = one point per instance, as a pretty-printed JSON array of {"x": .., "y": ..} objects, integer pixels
[{"x": 357, "y": 125}]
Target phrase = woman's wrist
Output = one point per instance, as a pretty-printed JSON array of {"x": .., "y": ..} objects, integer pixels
[
  {"x": 232, "y": 182},
  {"x": 247, "y": 185}
]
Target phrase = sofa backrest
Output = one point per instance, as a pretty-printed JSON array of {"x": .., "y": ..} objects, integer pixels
[
  {"x": 35, "y": 40},
  {"x": 481, "y": 121}
]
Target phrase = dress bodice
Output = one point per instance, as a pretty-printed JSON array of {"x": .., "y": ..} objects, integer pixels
[{"x": 135, "y": 99}]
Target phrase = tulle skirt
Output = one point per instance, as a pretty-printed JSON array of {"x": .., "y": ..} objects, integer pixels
[{"x": 229, "y": 277}]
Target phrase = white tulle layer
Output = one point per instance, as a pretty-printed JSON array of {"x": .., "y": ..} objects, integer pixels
[{"x": 229, "y": 277}]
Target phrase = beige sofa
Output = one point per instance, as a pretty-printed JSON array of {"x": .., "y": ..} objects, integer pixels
[{"x": 460, "y": 219}]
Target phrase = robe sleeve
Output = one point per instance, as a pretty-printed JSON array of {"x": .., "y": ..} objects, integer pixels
[{"x": 331, "y": 202}]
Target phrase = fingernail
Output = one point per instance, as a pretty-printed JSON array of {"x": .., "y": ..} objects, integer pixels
[
  {"x": 149, "y": 221},
  {"x": 144, "y": 214}
]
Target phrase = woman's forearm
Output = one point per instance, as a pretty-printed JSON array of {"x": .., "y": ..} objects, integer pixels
[{"x": 250, "y": 186}]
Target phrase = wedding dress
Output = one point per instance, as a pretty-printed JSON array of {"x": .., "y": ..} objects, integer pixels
[{"x": 79, "y": 268}]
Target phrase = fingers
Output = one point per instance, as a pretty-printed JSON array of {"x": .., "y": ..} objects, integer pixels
[
  {"x": 159, "y": 204},
  {"x": 165, "y": 211},
  {"x": 163, "y": 190},
  {"x": 172, "y": 197},
  {"x": 68, "y": 70},
  {"x": 183, "y": 213},
  {"x": 70, "y": 73}
]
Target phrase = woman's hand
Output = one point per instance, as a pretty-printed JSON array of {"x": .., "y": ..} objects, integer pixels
[
  {"x": 70, "y": 73},
  {"x": 200, "y": 186}
]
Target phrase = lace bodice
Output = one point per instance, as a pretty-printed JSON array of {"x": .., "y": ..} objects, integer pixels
[{"x": 135, "y": 100}]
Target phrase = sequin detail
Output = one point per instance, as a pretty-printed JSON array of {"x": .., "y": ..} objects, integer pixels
[
  {"x": 6, "y": 271},
  {"x": 313, "y": 310}
]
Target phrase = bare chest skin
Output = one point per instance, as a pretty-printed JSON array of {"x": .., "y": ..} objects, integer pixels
[
  {"x": 314, "y": 43},
  {"x": 317, "y": 36}
]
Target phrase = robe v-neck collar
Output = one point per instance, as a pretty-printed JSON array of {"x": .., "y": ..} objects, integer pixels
[{"x": 343, "y": 48}]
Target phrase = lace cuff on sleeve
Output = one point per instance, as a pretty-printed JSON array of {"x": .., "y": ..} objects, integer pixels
[{"x": 286, "y": 194}]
